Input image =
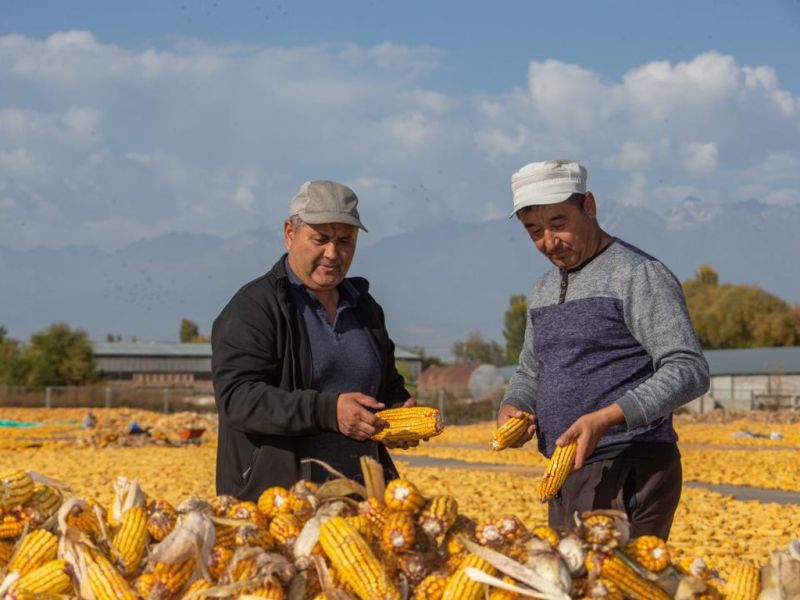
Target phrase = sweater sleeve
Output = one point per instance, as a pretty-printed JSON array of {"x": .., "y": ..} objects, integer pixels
[
  {"x": 247, "y": 363},
  {"x": 521, "y": 390},
  {"x": 656, "y": 315}
]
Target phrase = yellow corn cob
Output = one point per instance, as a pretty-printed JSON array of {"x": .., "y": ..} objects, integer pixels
[
  {"x": 45, "y": 499},
  {"x": 364, "y": 526},
  {"x": 253, "y": 535},
  {"x": 196, "y": 587},
  {"x": 220, "y": 504},
  {"x": 105, "y": 582},
  {"x": 302, "y": 507},
  {"x": 511, "y": 528},
  {"x": 6, "y": 550},
  {"x": 83, "y": 517},
  {"x": 143, "y": 585},
  {"x": 508, "y": 434},
  {"x": 225, "y": 535},
  {"x": 12, "y": 524},
  {"x": 161, "y": 519},
  {"x": 53, "y": 577},
  {"x": 171, "y": 578},
  {"x": 439, "y": 515},
  {"x": 499, "y": 594},
  {"x": 612, "y": 568},
  {"x": 398, "y": 532},
  {"x": 274, "y": 500},
  {"x": 35, "y": 549},
  {"x": 130, "y": 540},
  {"x": 272, "y": 590},
  {"x": 375, "y": 511},
  {"x": 600, "y": 532},
  {"x": 16, "y": 488},
  {"x": 409, "y": 424},
  {"x": 284, "y": 529},
  {"x": 247, "y": 511},
  {"x": 602, "y": 589},
  {"x": 558, "y": 469},
  {"x": 220, "y": 558},
  {"x": 744, "y": 582},
  {"x": 463, "y": 526},
  {"x": 461, "y": 587},
  {"x": 352, "y": 557},
  {"x": 404, "y": 496},
  {"x": 432, "y": 587},
  {"x": 488, "y": 533},
  {"x": 649, "y": 551},
  {"x": 548, "y": 534}
]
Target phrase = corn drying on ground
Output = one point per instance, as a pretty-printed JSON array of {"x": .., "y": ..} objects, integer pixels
[{"x": 708, "y": 525}]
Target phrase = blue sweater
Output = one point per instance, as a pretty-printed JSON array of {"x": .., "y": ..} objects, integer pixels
[{"x": 614, "y": 330}]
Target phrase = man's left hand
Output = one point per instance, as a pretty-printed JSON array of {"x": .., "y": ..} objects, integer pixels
[
  {"x": 588, "y": 430},
  {"x": 404, "y": 445}
]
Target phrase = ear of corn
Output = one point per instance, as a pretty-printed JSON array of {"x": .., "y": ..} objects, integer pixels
[
  {"x": 12, "y": 524},
  {"x": 612, "y": 568},
  {"x": 270, "y": 591},
  {"x": 130, "y": 540},
  {"x": 35, "y": 549},
  {"x": 439, "y": 515},
  {"x": 511, "y": 528},
  {"x": 402, "y": 495},
  {"x": 220, "y": 504},
  {"x": 744, "y": 582},
  {"x": 253, "y": 535},
  {"x": 398, "y": 532},
  {"x": 104, "y": 581},
  {"x": 16, "y": 488},
  {"x": 195, "y": 589},
  {"x": 600, "y": 532},
  {"x": 6, "y": 551},
  {"x": 45, "y": 499},
  {"x": 284, "y": 529},
  {"x": 171, "y": 578},
  {"x": 500, "y": 594},
  {"x": 488, "y": 533},
  {"x": 247, "y": 511},
  {"x": 548, "y": 534},
  {"x": 510, "y": 431},
  {"x": 353, "y": 559},
  {"x": 274, "y": 500},
  {"x": 649, "y": 551},
  {"x": 602, "y": 589},
  {"x": 460, "y": 586},
  {"x": 220, "y": 558},
  {"x": 557, "y": 471},
  {"x": 52, "y": 577},
  {"x": 409, "y": 424}
]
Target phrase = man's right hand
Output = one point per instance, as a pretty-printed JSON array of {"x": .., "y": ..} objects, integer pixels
[
  {"x": 505, "y": 413},
  {"x": 354, "y": 420}
]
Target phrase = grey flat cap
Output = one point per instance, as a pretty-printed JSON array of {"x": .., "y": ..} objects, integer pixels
[{"x": 319, "y": 202}]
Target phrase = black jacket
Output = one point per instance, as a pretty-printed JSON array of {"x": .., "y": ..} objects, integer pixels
[{"x": 261, "y": 363}]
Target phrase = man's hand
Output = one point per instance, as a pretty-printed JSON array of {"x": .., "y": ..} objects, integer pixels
[
  {"x": 410, "y": 444},
  {"x": 505, "y": 413},
  {"x": 353, "y": 418},
  {"x": 588, "y": 430}
]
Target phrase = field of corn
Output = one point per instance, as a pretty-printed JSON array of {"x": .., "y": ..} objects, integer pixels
[{"x": 170, "y": 466}]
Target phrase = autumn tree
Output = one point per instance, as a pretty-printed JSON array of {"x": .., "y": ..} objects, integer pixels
[
  {"x": 738, "y": 316},
  {"x": 515, "y": 319},
  {"x": 477, "y": 350},
  {"x": 12, "y": 369},
  {"x": 190, "y": 333},
  {"x": 59, "y": 355}
]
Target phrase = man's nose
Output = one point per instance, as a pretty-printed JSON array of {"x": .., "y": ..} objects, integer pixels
[
  {"x": 330, "y": 251},
  {"x": 550, "y": 241}
]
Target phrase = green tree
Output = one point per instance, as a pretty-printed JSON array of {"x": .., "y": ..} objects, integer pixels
[
  {"x": 738, "y": 316},
  {"x": 12, "y": 367},
  {"x": 515, "y": 319},
  {"x": 477, "y": 350},
  {"x": 59, "y": 356},
  {"x": 427, "y": 361},
  {"x": 190, "y": 333}
]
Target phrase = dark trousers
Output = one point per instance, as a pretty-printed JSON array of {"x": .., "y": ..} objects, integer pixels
[{"x": 647, "y": 489}]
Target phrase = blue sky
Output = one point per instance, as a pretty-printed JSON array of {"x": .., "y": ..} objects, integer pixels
[{"x": 123, "y": 120}]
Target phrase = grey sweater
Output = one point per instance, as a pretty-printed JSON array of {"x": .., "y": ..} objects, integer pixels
[{"x": 614, "y": 330}]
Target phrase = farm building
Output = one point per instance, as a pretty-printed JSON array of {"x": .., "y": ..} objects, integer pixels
[{"x": 461, "y": 381}]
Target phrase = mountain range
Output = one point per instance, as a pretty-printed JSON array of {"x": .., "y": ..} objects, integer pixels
[{"x": 436, "y": 284}]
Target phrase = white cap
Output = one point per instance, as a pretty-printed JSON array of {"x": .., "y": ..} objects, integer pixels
[{"x": 548, "y": 182}]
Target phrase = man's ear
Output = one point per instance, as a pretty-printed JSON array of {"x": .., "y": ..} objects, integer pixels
[
  {"x": 288, "y": 234},
  {"x": 589, "y": 205}
]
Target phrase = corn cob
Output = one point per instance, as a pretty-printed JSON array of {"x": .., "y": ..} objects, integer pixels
[
  {"x": 195, "y": 589},
  {"x": 274, "y": 500},
  {"x": 602, "y": 589},
  {"x": 513, "y": 429},
  {"x": 463, "y": 526},
  {"x": 375, "y": 511},
  {"x": 12, "y": 524},
  {"x": 247, "y": 511},
  {"x": 364, "y": 526},
  {"x": 352, "y": 557},
  {"x": 284, "y": 529},
  {"x": 404, "y": 496},
  {"x": 649, "y": 551},
  {"x": 488, "y": 533},
  {"x": 511, "y": 528},
  {"x": 253, "y": 535},
  {"x": 417, "y": 565},
  {"x": 220, "y": 504},
  {"x": 225, "y": 535},
  {"x": 104, "y": 581},
  {"x": 612, "y": 568},
  {"x": 35, "y": 549},
  {"x": 52, "y": 577},
  {"x": 548, "y": 534},
  {"x": 6, "y": 550},
  {"x": 500, "y": 594},
  {"x": 398, "y": 532},
  {"x": 143, "y": 585},
  {"x": 130, "y": 540},
  {"x": 439, "y": 515},
  {"x": 45, "y": 499},
  {"x": 220, "y": 558},
  {"x": 460, "y": 586},
  {"x": 557, "y": 471},
  {"x": 600, "y": 532},
  {"x": 161, "y": 519},
  {"x": 83, "y": 517},
  {"x": 432, "y": 587},
  {"x": 272, "y": 590},
  {"x": 744, "y": 582},
  {"x": 170, "y": 579},
  {"x": 16, "y": 488},
  {"x": 409, "y": 424}
]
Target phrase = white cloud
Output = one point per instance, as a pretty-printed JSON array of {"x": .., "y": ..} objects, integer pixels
[
  {"x": 243, "y": 197},
  {"x": 82, "y": 124},
  {"x": 634, "y": 192},
  {"x": 699, "y": 157},
  {"x": 16, "y": 161}
]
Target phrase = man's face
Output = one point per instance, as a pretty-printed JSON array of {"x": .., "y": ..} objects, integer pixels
[
  {"x": 320, "y": 255},
  {"x": 566, "y": 234}
]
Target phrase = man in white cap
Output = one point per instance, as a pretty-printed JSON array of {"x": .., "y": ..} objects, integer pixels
[
  {"x": 609, "y": 353},
  {"x": 302, "y": 359}
]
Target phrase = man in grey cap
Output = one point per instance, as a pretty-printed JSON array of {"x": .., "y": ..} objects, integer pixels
[
  {"x": 302, "y": 359},
  {"x": 609, "y": 353}
]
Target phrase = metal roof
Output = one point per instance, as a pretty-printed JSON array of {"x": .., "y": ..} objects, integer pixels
[
  {"x": 754, "y": 361},
  {"x": 150, "y": 349}
]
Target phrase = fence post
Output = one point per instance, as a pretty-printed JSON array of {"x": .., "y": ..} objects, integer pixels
[
  {"x": 48, "y": 397},
  {"x": 165, "y": 397},
  {"x": 108, "y": 397},
  {"x": 441, "y": 403}
]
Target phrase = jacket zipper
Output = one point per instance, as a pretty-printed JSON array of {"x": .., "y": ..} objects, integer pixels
[{"x": 564, "y": 283}]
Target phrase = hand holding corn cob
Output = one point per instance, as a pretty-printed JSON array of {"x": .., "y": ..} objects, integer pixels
[
  {"x": 409, "y": 424},
  {"x": 514, "y": 427},
  {"x": 354, "y": 418}
]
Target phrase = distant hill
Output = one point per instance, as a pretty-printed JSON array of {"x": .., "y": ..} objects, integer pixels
[{"x": 436, "y": 284}]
